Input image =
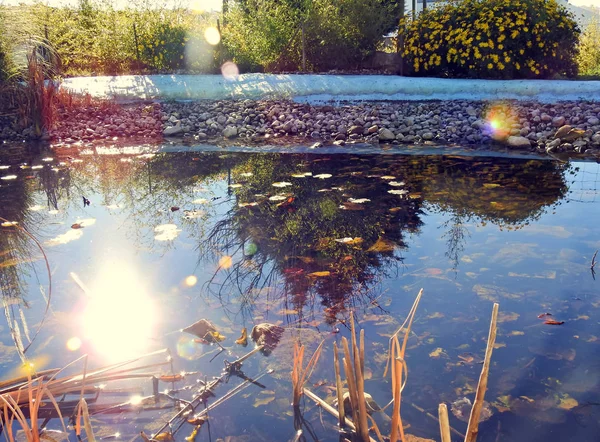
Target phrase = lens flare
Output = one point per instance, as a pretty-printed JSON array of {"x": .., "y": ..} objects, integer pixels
[
  {"x": 498, "y": 121},
  {"x": 225, "y": 262},
  {"x": 212, "y": 36},
  {"x": 74, "y": 343},
  {"x": 119, "y": 317},
  {"x": 191, "y": 281},
  {"x": 188, "y": 349},
  {"x": 230, "y": 70}
]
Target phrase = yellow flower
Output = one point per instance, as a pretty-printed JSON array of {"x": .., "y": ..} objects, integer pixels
[
  {"x": 521, "y": 51},
  {"x": 490, "y": 66},
  {"x": 501, "y": 66},
  {"x": 518, "y": 66}
]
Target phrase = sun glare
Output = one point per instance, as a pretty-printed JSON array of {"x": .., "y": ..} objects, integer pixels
[
  {"x": 212, "y": 36},
  {"x": 119, "y": 317}
]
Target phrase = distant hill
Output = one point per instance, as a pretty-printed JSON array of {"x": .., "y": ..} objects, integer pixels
[{"x": 583, "y": 14}]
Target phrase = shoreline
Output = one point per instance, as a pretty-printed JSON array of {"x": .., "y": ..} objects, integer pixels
[{"x": 571, "y": 127}]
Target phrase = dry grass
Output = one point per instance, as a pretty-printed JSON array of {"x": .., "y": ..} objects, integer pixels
[
  {"x": 299, "y": 373},
  {"x": 399, "y": 370}
]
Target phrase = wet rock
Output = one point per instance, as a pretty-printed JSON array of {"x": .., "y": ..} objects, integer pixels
[
  {"x": 461, "y": 409},
  {"x": 558, "y": 121},
  {"x": 173, "y": 131},
  {"x": 386, "y": 135},
  {"x": 427, "y": 136},
  {"x": 230, "y": 132},
  {"x": 518, "y": 141},
  {"x": 373, "y": 129},
  {"x": 356, "y": 130},
  {"x": 316, "y": 145}
]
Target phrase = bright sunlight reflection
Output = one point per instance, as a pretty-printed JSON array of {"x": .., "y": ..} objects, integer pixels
[{"x": 119, "y": 316}]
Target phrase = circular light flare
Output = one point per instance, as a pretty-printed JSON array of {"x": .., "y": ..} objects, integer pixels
[
  {"x": 225, "y": 262},
  {"x": 74, "y": 343},
  {"x": 230, "y": 70},
  {"x": 135, "y": 400},
  {"x": 212, "y": 36},
  {"x": 191, "y": 281}
]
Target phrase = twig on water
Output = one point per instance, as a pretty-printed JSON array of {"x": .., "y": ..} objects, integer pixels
[
  {"x": 593, "y": 265},
  {"x": 444, "y": 424}
]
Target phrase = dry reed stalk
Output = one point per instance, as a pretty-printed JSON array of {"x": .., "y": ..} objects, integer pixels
[
  {"x": 338, "y": 386},
  {"x": 328, "y": 408},
  {"x": 399, "y": 370},
  {"x": 299, "y": 373},
  {"x": 473, "y": 427},
  {"x": 444, "y": 423}
]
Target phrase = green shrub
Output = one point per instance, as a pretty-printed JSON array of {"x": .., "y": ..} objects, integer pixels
[
  {"x": 589, "y": 48},
  {"x": 493, "y": 39},
  {"x": 265, "y": 34}
]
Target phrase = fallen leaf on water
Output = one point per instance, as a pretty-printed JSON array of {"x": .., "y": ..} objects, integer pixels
[
  {"x": 320, "y": 274},
  {"x": 542, "y": 315},
  {"x": 174, "y": 209},
  {"x": 499, "y": 345},
  {"x": 382, "y": 245},
  {"x": 171, "y": 377},
  {"x": 263, "y": 401},
  {"x": 9, "y": 223},
  {"x": 166, "y": 232},
  {"x": 277, "y": 198},
  {"x": 288, "y": 202},
  {"x": 516, "y": 333},
  {"x": 438, "y": 352},
  {"x": 552, "y": 322},
  {"x": 193, "y": 434},
  {"x": 352, "y": 206},
  {"x": 398, "y": 192},
  {"x": 216, "y": 336},
  {"x": 9, "y": 177},
  {"x": 200, "y": 201},
  {"x": 281, "y": 184},
  {"x": 582, "y": 317},
  {"x": 195, "y": 420},
  {"x": 435, "y": 315},
  {"x": 350, "y": 241},
  {"x": 246, "y": 174},
  {"x": 396, "y": 183},
  {"x": 359, "y": 200},
  {"x": 490, "y": 185},
  {"x": 235, "y": 186},
  {"x": 76, "y": 226},
  {"x": 388, "y": 177},
  {"x": 65, "y": 238},
  {"x": 567, "y": 403},
  {"x": 508, "y": 317},
  {"x": 193, "y": 214},
  {"x": 164, "y": 437},
  {"x": 243, "y": 340},
  {"x": 252, "y": 204},
  {"x": 323, "y": 176}
]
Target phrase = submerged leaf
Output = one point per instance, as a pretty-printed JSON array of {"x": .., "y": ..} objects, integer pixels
[
  {"x": 382, "y": 245},
  {"x": 320, "y": 274}
]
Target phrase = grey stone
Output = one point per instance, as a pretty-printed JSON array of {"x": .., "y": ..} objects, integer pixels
[
  {"x": 172, "y": 131},
  {"x": 518, "y": 141},
  {"x": 558, "y": 121},
  {"x": 427, "y": 136},
  {"x": 230, "y": 132},
  {"x": 386, "y": 135},
  {"x": 593, "y": 121}
]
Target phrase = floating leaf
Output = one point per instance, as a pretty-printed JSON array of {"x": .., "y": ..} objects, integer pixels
[
  {"x": 435, "y": 315},
  {"x": 288, "y": 202},
  {"x": 193, "y": 434},
  {"x": 263, "y": 401},
  {"x": 397, "y": 183},
  {"x": 302, "y": 175},
  {"x": 542, "y": 315},
  {"x": 201, "y": 201},
  {"x": 516, "y": 333},
  {"x": 9, "y": 223},
  {"x": 216, "y": 336},
  {"x": 164, "y": 437},
  {"x": 350, "y": 241},
  {"x": 201, "y": 328},
  {"x": 359, "y": 200},
  {"x": 193, "y": 214},
  {"x": 437, "y": 353},
  {"x": 246, "y": 174},
  {"x": 195, "y": 420},
  {"x": 268, "y": 335},
  {"x": 281, "y": 184},
  {"x": 278, "y": 198},
  {"x": 382, "y": 245},
  {"x": 398, "y": 192},
  {"x": 323, "y": 176},
  {"x": 320, "y": 274},
  {"x": 166, "y": 232},
  {"x": 8, "y": 177},
  {"x": 553, "y": 322},
  {"x": 388, "y": 177},
  {"x": 567, "y": 403},
  {"x": 352, "y": 206},
  {"x": 76, "y": 226},
  {"x": 235, "y": 186},
  {"x": 65, "y": 238},
  {"x": 243, "y": 339},
  {"x": 174, "y": 209},
  {"x": 252, "y": 204},
  {"x": 491, "y": 185},
  {"x": 507, "y": 317}
]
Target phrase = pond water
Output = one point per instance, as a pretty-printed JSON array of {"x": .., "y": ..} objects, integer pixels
[{"x": 300, "y": 241}]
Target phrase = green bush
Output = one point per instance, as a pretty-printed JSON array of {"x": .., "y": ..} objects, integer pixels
[
  {"x": 493, "y": 39},
  {"x": 266, "y": 34},
  {"x": 589, "y": 48}
]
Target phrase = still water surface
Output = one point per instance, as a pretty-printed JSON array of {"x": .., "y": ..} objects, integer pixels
[{"x": 301, "y": 240}]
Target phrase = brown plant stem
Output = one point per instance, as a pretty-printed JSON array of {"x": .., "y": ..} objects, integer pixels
[
  {"x": 473, "y": 427},
  {"x": 444, "y": 424}
]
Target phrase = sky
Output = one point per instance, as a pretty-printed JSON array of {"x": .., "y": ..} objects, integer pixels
[{"x": 595, "y": 3}]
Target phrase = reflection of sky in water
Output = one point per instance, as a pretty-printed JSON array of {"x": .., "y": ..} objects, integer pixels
[{"x": 142, "y": 290}]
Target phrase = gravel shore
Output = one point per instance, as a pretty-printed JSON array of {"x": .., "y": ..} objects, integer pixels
[{"x": 559, "y": 127}]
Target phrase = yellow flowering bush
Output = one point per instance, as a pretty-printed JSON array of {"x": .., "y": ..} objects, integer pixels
[{"x": 492, "y": 39}]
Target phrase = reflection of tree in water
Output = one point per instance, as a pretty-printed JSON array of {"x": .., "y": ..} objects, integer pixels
[
  {"x": 298, "y": 238},
  {"x": 510, "y": 193}
]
